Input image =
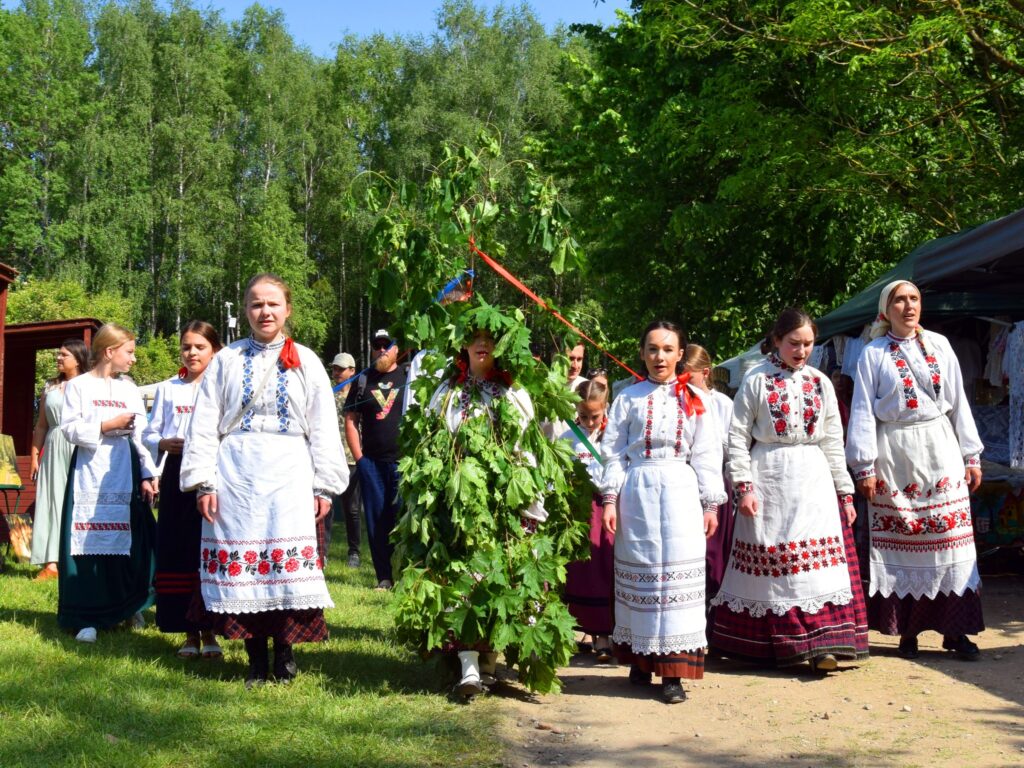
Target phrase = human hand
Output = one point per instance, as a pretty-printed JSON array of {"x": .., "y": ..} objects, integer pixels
[
  {"x": 866, "y": 488},
  {"x": 172, "y": 445},
  {"x": 207, "y": 504},
  {"x": 710, "y": 524},
  {"x": 150, "y": 488},
  {"x": 610, "y": 519},
  {"x": 851, "y": 514},
  {"x": 122, "y": 421},
  {"x": 321, "y": 507},
  {"x": 749, "y": 505},
  {"x": 973, "y": 478}
]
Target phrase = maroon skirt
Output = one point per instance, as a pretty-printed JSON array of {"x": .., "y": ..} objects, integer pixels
[
  {"x": 796, "y": 636},
  {"x": 688, "y": 665},
  {"x": 950, "y": 615},
  {"x": 589, "y": 583}
]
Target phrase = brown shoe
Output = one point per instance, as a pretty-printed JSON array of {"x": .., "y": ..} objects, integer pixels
[{"x": 46, "y": 574}]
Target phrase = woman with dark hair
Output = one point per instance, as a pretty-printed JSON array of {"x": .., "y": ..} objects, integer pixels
[
  {"x": 661, "y": 486},
  {"x": 791, "y": 592},
  {"x": 107, "y": 530},
  {"x": 263, "y": 451},
  {"x": 914, "y": 450},
  {"x": 179, "y": 523},
  {"x": 51, "y": 474}
]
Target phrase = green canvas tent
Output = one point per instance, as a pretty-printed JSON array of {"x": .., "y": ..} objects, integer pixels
[{"x": 978, "y": 271}]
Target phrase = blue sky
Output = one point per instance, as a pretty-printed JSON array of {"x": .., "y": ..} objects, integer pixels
[{"x": 319, "y": 25}]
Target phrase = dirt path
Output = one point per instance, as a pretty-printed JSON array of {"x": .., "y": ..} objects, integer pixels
[{"x": 935, "y": 711}]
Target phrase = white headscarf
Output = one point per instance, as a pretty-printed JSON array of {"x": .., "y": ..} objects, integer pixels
[{"x": 881, "y": 325}]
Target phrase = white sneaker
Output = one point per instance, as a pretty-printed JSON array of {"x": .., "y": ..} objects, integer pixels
[
  {"x": 87, "y": 635},
  {"x": 138, "y": 621}
]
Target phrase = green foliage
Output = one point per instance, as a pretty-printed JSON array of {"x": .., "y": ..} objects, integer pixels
[
  {"x": 469, "y": 572},
  {"x": 156, "y": 360},
  {"x": 731, "y": 158},
  {"x": 37, "y": 300}
]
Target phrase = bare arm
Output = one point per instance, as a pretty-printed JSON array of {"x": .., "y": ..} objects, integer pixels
[
  {"x": 355, "y": 444},
  {"x": 39, "y": 434}
]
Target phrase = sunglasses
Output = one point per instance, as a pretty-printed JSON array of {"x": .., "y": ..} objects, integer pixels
[{"x": 379, "y": 344}]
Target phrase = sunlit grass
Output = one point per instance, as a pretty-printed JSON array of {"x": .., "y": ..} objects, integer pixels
[{"x": 128, "y": 701}]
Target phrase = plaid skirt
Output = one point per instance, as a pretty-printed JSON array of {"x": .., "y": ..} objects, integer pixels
[
  {"x": 688, "y": 665},
  {"x": 796, "y": 636}
]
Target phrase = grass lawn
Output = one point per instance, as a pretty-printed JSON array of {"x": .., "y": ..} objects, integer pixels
[{"x": 359, "y": 700}]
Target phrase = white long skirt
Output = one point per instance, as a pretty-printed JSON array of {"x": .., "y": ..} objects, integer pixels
[
  {"x": 922, "y": 535},
  {"x": 659, "y": 560},
  {"x": 791, "y": 554},
  {"x": 260, "y": 553}
]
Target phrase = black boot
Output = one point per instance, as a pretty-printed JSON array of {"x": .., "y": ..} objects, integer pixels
[
  {"x": 256, "y": 648},
  {"x": 285, "y": 668},
  {"x": 672, "y": 690}
]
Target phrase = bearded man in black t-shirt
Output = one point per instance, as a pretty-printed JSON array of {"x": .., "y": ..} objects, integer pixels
[{"x": 373, "y": 412}]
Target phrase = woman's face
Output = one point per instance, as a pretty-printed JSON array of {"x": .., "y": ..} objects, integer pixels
[
  {"x": 67, "y": 365},
  {"x": 196, "y": 353},
  {"x": 795, "y": 347},
  {"x": 122, "y": 357},
  {"x": 661, "y": 353},
  {"x": 481, "y": 353},
  {"x": 590, "y": 414},
  {"x": 267, "y": 310},
  {"x": 904, "y": 311}
]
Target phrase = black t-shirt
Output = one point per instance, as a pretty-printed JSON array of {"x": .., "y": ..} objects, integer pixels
[{"x": 377, "y": 398}]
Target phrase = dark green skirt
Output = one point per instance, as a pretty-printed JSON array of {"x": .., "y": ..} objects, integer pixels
[{"x": 104, "y": 590}]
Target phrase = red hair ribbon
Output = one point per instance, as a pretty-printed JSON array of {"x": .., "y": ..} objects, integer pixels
[
  {"x": 691, "y": 403},
  {"x": 289, "y": 355},
  {"x": 183, "y": 372}
]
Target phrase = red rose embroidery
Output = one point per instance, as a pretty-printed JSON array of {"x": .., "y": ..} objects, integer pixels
[
  {"x": 773, "y": 398},
  {"x": 251, "y": 557},
  {"x": 912, "y": 403},
  {"x": 277, "y": 555},
  {"x": 223, "y": 555},
  {"x": 935, "y": 378},
  {"x": 212, "y": 567},
  {"x": 784, "y": 408},
  {"x": 808, "y": 387},
  {"x": 780, "y": 426},
  {"x": 808, "y": 414},
  {"x": 263, "y": 568},
  {"x": 901, "y": 364},
  {"x": 307, "y": 553},
  {"x": 234, "y": 569},
  {"x": 206, "y": 553},
  {"x": 908, "y": 382},
  {"x": 292, "y": 565}
]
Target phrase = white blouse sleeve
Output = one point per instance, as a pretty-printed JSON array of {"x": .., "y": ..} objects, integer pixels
[
  {"x": 613, "y": 448},
  {"x": 135, "y": 404},
  {"x": 706, "y": 459},
  {"x": 832, "y": 440},
  {"x": 741, "y": 430},
  {"x": 330, "y": 470},
  {"x": 861, "y": 437},
  {"x": 960, "y": 416},
  {"x": 73, "y": 423},
  {"x": 199, "y": 459},
  {"x": 154, "y": 431}
]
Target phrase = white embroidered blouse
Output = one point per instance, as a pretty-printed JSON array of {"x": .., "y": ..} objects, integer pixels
[
  {"x": 172, "y": 410},
  {"x": 909, "y": 380},
  {"x": 648, "y": 422},
  {"x": 778, "y": 404},
  {"x": 295, "y": 401}
]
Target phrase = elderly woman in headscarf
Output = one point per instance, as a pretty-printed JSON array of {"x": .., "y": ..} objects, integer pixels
[{"x": 914, "y": 449}]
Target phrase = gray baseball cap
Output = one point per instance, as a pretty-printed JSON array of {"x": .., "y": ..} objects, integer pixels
[{"x": 343, "y": 360}]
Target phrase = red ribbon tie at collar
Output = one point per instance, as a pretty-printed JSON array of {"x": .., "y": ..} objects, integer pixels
[
  {"x": 691, "y": 403},
  {"x": 289, "y": 355}
]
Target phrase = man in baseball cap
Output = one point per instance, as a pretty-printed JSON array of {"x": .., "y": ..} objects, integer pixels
[{"x": 347, "y": 505}]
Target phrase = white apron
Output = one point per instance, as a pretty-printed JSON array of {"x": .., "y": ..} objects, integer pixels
[
  {"x": 260, "y": 554},
  {"x": 659, "y": 559},
  {"x": 791, "y": 554}
]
